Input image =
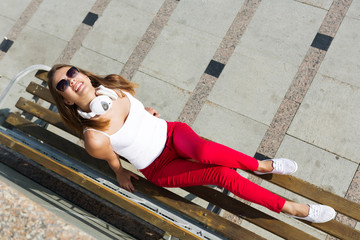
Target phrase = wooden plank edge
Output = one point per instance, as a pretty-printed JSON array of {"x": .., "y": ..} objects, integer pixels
[
  {"x": 96, "y": 188},
  {"x": 42, "y": 75},
  {"x": 249, "y": 213},
  {"x": 42, "y": 113},
  {"x": 40, "y": 91}
]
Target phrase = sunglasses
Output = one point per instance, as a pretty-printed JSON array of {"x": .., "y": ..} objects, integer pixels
[{"x": 64, "y": 84}]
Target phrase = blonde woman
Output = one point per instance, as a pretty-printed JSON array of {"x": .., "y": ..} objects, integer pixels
[{"x": 112, "y": 122}]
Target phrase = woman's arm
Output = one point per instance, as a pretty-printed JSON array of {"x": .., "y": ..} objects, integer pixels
[{"x": 98, "y": 146}]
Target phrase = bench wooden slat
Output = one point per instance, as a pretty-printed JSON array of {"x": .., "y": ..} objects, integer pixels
[
  {"x": 96, "y": 188},
  {"x": 164, "y": 196},
  {"x": 316, "y": 194},
  {"x": 42, "y": 113},
  {"x": 42, "y": 74},
  {"x": 40, "y": 91},
  {"x": 267, "y": 222}
]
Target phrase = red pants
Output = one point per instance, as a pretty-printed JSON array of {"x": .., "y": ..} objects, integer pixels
[{"x": 212, "y": 166}]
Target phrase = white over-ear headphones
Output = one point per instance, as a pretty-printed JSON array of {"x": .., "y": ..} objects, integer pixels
[{"x": 101, "y": 104}]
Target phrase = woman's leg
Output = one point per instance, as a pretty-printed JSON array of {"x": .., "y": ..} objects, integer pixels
[
  {"x": 183, "y": 173},
  {"x": 189, "y": 145}
]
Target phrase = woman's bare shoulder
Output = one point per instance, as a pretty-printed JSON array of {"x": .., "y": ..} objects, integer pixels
[{"x": 96, "y": 143}]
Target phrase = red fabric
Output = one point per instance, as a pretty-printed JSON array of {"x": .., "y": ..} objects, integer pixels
[{"x": 213, "y": 165}]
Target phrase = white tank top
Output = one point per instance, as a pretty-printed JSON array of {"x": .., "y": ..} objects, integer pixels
[{"x": 142, "y": 137}]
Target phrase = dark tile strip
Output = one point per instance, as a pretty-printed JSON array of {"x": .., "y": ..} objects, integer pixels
[
  {"x": 90, "y": 19},
  {"x": 322, "y": 42},
  {"x": 216, "y": 65},
  {"x": 148, "y": 39},
  {"x": 20, "y": 24},
  {"x": 82, "y": 31},
  {"x": 214, "y": 68},
  {"x": 260, "y": 156},
  {"x": 6, "y": 45}
]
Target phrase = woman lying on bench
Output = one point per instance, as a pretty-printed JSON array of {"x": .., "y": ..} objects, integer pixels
[{"x": 112, "y": 122}]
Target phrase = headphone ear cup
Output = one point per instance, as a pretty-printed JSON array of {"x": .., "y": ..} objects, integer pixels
[{"x": 100, "y": 105}]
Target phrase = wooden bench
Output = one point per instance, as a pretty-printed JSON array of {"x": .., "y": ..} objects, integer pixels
[{"x": 181, "y": 206}]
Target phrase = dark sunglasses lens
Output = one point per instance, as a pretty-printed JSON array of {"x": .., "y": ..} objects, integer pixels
[
  {"x": 72, "y": 72},
  {"x": 62, "y": 85}
]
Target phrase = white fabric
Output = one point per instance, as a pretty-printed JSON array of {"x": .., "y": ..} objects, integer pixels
[{"x": 142, "y": 137}]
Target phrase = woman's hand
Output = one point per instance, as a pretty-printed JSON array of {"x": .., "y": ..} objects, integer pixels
[
  {"x": 152, "y": 111},
  {"x": 124, "y": 179}
]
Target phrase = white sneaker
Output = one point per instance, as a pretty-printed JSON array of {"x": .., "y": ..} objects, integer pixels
[
  {"x": 281, "y": 166},
  {"x": 318, "y": 214}
]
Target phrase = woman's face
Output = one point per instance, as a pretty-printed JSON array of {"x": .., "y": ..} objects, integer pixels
[{"x": 72, "y": 85}]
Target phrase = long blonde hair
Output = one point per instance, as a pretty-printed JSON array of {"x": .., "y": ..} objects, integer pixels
[{"x": 69, "y": 113}]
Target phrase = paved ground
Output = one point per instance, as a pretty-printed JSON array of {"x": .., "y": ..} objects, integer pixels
[{"x": 268, "y": 78}]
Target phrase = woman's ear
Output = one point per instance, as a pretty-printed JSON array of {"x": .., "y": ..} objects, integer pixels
[{"x": 68, "y": 102}]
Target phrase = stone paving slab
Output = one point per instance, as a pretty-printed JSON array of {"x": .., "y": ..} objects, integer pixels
[
  {"x": 117, "y": 38},
  {"x": 13, "y": 8},
  {"x": 318, "y": 3},
  {"x": 89, "y": 59},
  {"x": 31, "y": 47},
  {"x": 342, "y": 59},
  {"x": 253, "y": 85},
  {"x": 218, "y": 123},
  {"x": 62, "y": 17},
  {"x": 313, "y": 161},
  {"x": 328, "y": 116},
  {"x": 207, "y": 16},
  {"x": 5, "y": 25},
  {"x": 354, "y": 10},
  {"x": 160, "y": 95},
  {"x": 180, "y": 55},
  {"x": 283, "y": 30}
]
